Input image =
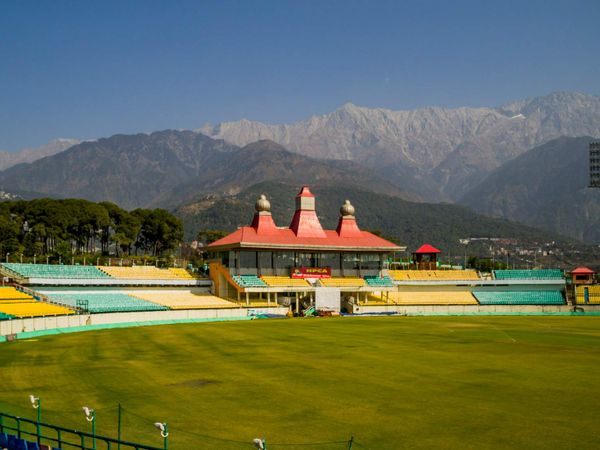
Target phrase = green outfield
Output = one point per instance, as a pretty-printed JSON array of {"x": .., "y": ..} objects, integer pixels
[{"x": 391, "y": 382}]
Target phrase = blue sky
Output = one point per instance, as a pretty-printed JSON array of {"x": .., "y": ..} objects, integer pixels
[{"x": 92, "y": 69}]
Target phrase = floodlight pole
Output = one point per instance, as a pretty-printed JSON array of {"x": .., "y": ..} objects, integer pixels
[
  {"x": 36, "y": 403},
  {"x": 166, "y": 437},
  {"x": 119, "y": 429},
  {"x": 90, "y": 416}
]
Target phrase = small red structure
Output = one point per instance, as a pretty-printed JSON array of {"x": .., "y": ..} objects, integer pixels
[
  {"x": 582, "y": 275},
  {"x": 425, "y": 257}
]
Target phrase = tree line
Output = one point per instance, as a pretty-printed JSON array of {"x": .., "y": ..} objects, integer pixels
[{"x": 76, "y": 227}]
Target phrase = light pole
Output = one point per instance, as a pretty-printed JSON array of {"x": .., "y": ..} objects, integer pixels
[
  {"x": 36, "y": 403},
  {"x": 90, "y": 416},
  {"x": 164, "y": 432},
  {"x": 7, "y": 255},
  {"x": 465, "y": 242}
]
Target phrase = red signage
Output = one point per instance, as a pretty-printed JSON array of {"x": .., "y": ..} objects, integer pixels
[{"x": 311, "y": 272}]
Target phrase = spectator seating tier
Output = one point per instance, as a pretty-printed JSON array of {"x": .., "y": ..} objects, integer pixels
[
  {"x": 525, "y": 274},
  {"x": 274, "y": 281},
  {"x": 14, "y": 303},
  {"x": 593, "y": 295},
  {"x": 248, "y": 281},
  {"x": 342, "y": 282},
  {"x": 434, "y": 275},
  {"x": 182, "y": 299},
  {"x": 431, "y": 298},
  {"x": 519, "y": 297},
  {"x": 55, "y": 271},
  {"x": 377, "y": 281},
  {"x": 146, "y": 273},
  {"x": 103, "y": 301}
]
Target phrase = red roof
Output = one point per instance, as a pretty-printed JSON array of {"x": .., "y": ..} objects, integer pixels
[
  {"x": 426, "y": 248},
  {"x": 286, "y": 238},
  {"x": 582, "y": 271},
  {"x": 305, "y": 232},
  {"x": 305, "y": 192}
]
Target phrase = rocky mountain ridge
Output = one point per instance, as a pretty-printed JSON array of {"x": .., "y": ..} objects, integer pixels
[
  {"x": 546, "y": 187},
  {"x": 170, "y": 167},
  {"x": 27, "y": 155},
  {"x": 436, "y": 153}
]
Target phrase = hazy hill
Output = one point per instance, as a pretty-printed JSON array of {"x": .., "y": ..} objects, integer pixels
[
  {"x": 131, "y": 170},
  {"x": 9, "y": 159},
  {"x": 168, "y": 167},
  {"x": 545, "y": 187},
  {"x": 436, "y": 153},
  {"x": 405, "y": 222}
]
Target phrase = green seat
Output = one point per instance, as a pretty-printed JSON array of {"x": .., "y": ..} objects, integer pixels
[{"x": 485, "y": 297}]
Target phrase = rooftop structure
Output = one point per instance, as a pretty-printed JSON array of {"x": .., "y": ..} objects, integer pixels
[{"x": 305, "y": 231}]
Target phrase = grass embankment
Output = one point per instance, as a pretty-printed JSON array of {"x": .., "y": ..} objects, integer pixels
[{"x": 392, "y": 382}]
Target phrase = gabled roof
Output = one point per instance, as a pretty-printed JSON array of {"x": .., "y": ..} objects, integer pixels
[
  {"x": 426, "y": 248},
  {"x": 582, "y": 271}
]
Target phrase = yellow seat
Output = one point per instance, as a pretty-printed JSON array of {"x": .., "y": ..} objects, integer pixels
[
  {"x": 593, "y": 294},
  {"x": 182, "y": 299},
  {"x": 278, "y": 281},
  {"x": 33, "y": 309},
  {"x": 10, "y": 293},
  {"x": 431, "y": 298},
  {"x": 146, "y": 273},
  {"x": 342, "y": 282}
]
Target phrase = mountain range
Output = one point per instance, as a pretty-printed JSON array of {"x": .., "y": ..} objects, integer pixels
[
  {"x": 169, "y": 167},
  {"x": 514, "y": 161},
  {"x": 27, "y": 155},
  {"x": 546, "y": 187},
  {"x": 435, "y": 153}
]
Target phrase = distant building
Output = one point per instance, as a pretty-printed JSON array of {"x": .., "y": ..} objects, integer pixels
[{"x": 595, "y": 164}]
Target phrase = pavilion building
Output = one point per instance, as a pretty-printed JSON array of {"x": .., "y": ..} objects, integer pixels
[{"x": 302, "y": 251}]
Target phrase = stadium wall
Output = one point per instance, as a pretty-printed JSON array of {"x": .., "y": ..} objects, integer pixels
[
  {"x": 459, "y": 310},
  {"x": 24, "y": 328}
]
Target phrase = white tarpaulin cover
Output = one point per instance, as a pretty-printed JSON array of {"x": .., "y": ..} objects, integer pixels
[{"x": 327, "y": 299}]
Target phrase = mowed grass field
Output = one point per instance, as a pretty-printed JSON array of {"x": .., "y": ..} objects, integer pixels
[{"x": 391, "y": 382}]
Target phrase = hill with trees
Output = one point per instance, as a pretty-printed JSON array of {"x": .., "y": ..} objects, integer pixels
[{"x": 75, "y": 227}]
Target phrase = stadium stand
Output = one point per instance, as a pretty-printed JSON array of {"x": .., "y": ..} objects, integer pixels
[
  {"x": 248, "y": 281},
  {"x": 145, "y": 273},
  {"x": 182, "y": 299},
  {"x": 342, "y": 282},
  {"x": 592, "y": 297},
  {"x": 430, "y": 298},
  {"x": 519, "y": 297},
  {"x": 102, "y": 301},
  {"x": 533, "y": 274},
  {"x": 5, "y": 316},
  {"x": 15, "y": 303},
  {"x": 54, "y": 271},
  {"x": 274, "y": 281},
  {"x": 432, "y": 275},
  {"x": 10, "y": 293},
  {"x": 376, "y": 281}
]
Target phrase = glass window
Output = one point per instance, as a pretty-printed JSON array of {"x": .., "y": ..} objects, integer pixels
[
  {"x": 265, "y": 260},
  {"x": 247, "y": 260},
  {"x": 284, "y": 260},
  {"x": 307, "y": 260},
  {"x": 369, "y": 261},
  {"x": 329, "y": 260},
  {"x": 350, "y": 261}
]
